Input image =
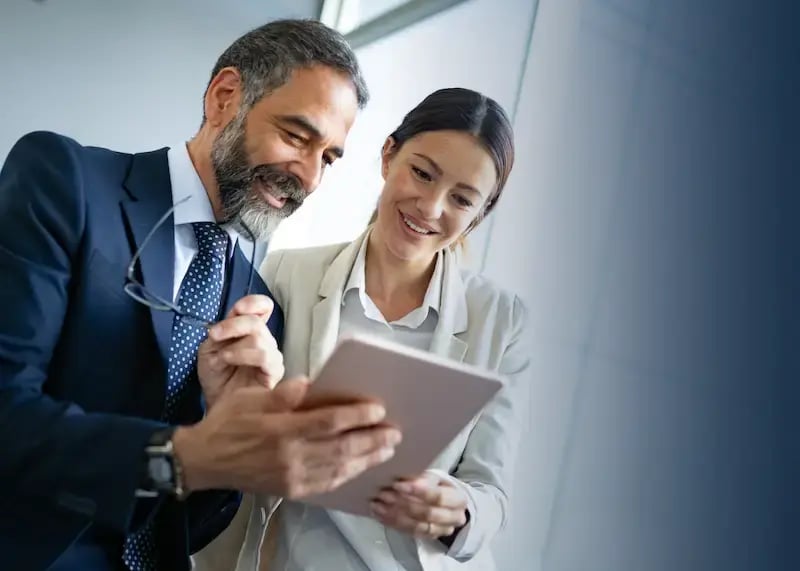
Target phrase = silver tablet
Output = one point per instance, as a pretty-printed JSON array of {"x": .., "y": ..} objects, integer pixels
[{"x": 430, "y": 398}]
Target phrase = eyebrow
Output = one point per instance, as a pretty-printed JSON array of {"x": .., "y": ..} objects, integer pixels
[
  {"x": 303, "y": 123},
  {"x": 440, "y": 172}
]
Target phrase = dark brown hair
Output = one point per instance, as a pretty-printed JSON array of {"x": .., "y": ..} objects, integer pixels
[{"x": 459, "y": 109}]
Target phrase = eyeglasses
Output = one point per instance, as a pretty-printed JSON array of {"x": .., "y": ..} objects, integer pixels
[{"x": 139, "y": 292}]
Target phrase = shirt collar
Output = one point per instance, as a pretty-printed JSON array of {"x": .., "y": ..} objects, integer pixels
[
  {"x": 186, "y": 182},
  {"x": 432, "y": 300}
]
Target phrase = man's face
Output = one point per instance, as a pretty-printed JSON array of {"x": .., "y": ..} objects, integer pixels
[{"x": 267, "y": 160}]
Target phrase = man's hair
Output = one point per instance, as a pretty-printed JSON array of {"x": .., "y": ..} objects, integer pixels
[{"x": 266, "y": 57}]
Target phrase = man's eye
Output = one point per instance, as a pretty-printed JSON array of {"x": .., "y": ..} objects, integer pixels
[{"x": 295, "y": 137}]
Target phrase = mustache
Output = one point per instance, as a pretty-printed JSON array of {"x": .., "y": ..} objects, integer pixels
[{"x": 281, "y": 182}]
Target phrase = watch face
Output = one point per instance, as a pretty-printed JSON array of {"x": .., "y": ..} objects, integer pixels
[{"x": 160, "y": 470}]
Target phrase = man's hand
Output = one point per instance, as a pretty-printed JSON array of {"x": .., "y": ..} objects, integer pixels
[
  {"x": 428, "y": 506},
  {"x": 254, "y": 441},
  {"x": 240, "y": 351}
]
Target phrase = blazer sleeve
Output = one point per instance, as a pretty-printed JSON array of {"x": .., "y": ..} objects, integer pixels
[
  {"x": 486, "y": 469},
  {"x": 53, "y": 451}
]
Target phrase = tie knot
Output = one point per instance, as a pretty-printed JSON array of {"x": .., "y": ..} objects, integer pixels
[{"x": 211, "y": 238}]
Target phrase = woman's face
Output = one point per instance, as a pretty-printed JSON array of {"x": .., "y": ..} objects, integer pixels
[{"x": 436, "y": 185}]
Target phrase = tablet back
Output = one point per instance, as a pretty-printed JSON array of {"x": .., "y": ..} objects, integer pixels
[{"x": 431, "y": 399}]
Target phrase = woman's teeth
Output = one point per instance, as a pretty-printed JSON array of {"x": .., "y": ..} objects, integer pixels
[{"x": 415, "y": 228}]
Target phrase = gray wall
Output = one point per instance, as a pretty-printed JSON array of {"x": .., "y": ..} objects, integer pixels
[{"x": 125, "y": 74}]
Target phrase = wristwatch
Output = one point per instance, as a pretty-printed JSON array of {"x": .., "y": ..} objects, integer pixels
[{"x": 163, "y": 473}]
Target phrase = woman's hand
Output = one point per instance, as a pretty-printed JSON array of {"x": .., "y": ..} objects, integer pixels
[{"x": 428, "y": 507}]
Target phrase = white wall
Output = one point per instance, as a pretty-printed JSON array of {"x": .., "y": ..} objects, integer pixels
[
  {"x": 479, "y": 44},
  {"x": 123, "y": 74}
]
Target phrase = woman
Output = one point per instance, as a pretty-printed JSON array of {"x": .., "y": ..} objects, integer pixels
[{"x": 444, "y": 169}]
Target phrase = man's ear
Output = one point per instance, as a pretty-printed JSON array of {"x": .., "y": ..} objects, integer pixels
[
  {"x": 387, "y": 152},
  {"x": 223, "y": 97}
]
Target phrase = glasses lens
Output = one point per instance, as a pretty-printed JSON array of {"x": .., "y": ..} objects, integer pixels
[{"x": 140, "y": 294}]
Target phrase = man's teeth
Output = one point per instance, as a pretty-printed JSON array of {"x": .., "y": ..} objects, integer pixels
[
  {"x": 275, "y": 192},
  {"x": 414, "y": 227}
]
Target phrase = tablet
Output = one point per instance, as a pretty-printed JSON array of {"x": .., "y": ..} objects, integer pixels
[{"x": 430, "y": 398}]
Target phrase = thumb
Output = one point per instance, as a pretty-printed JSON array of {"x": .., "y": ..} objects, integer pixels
[
  {"x": 255, "y": 304},
  {"x": 287, "y": 395}
]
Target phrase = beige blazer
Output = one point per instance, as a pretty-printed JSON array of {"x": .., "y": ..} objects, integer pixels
[{"x": 308, "y": 284}]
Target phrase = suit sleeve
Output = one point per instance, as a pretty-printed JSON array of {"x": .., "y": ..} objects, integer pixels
[
  {"x": 486, "y": 469},
  {"x": 53, "y": 451}
]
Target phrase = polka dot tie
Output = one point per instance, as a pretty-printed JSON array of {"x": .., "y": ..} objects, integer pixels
[{"x": 199, "y": 296}]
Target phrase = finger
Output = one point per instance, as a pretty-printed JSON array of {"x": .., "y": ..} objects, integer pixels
[
  {"x": 402, "y": 520},
  {"x": 255, "y": 304},
  {"x": 420, "y": 511},
  {"x": 287, "y": 395},
  {"x": 238, "y": 326},
  {"x": 325, "y": 478},
  {"x": 443, "y": 494},
  {"x": 328, "y": 421},
  {"x": 347, "y": 446},
  {"x": 443, "y": 516},
  {"x": 244, "y": 354}
]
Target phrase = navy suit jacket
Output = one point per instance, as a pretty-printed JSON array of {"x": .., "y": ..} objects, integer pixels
[{"x": 82, "y": 365}]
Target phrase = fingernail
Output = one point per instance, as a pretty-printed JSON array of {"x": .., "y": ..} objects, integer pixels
[
  {"x": 386, "y": 453},
  {"x": 376, "y": 413},
  {"x": 387, "y": 497},
  {"x": 395, "y": 437},
  {"x": 378, "y": 508}
]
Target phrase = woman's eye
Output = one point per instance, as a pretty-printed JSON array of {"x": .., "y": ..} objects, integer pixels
[
  {"x": 461, "y": 201},
  {"x": 421, "y": 174}
]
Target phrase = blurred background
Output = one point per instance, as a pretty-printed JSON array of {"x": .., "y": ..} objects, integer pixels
[{"x": 648, "y": 224}]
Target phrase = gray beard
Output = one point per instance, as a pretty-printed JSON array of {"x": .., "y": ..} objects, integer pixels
[{"x": 243, "y": 207}]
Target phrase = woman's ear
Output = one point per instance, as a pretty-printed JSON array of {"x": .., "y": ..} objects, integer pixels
[{"x": 387, "y": 152}]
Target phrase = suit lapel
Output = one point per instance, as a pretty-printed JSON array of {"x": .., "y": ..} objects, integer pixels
[{"x": 148, "y": 183}]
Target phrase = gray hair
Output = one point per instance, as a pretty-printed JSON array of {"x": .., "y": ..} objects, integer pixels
[{"x": 266, "y": 56}]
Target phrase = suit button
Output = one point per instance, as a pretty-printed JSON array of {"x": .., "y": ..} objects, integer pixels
[{"x": 263, "y": 513}]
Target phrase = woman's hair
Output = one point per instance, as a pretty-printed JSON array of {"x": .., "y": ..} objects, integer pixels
[{"x": 459, "y": 109}]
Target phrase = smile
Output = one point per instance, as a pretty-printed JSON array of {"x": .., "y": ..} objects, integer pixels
[
  {"x": 415, "y": 227},
  {"x": 271, "y": 196}
]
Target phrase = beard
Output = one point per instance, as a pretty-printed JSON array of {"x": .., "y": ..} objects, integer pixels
[{"x": 240, "y": 185}]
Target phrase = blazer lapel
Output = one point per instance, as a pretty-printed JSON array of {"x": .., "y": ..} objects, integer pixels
[
  {"x": 327, "y": 312},
  {"x": 148, "y": 183},
  {"x": 453, "y": 316}
]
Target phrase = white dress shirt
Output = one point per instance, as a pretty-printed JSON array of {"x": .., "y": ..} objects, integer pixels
[
  {"x": 361, "y": 315},
  {"x": 186, "y": 182}
]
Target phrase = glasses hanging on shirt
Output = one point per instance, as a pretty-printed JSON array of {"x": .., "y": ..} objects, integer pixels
[{"x": 139, "y": 292}]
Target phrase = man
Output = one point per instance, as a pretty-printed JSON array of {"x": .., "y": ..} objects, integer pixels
[{"x": 120, "y": 432}]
